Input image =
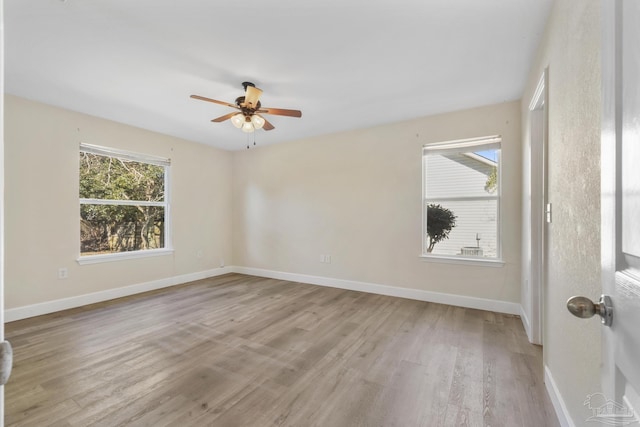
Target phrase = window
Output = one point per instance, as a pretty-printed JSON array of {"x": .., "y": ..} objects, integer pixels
[
  {"x": 123, "y": 203},
  {"x": 461, "y": 199}
]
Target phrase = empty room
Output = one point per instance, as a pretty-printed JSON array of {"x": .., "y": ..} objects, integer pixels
[{"x": 413, "y": 213}]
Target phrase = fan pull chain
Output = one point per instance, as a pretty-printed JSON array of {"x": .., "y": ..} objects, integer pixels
[{"x": 254, "y": 139}]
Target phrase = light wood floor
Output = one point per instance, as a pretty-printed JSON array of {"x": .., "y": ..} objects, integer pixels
[{"x": 245, "y": 351}]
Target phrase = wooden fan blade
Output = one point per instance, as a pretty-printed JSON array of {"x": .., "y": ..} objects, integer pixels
[
  {"x": 215, "y": 101},
  {"x": 251, "y": 96},
  {"x": 281, "y": 112},
  {"x": 267, "y": 125},
  {"x": 225, "y": 117}
]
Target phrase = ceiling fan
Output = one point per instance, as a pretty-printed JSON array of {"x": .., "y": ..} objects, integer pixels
[{"x": 249, "y": 118}]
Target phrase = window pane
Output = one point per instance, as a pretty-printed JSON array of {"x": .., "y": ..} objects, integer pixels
[
  {"x": 475, "y": 232},
  {"x": 103, "y": 177},
  {"x": 106, "y": 229},
  {"x": 461, "y": 174}
]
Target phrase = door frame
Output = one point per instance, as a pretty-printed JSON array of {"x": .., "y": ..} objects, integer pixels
[
  {"x": 2, "y": 247},
  {"x": 536, "y": 211}
]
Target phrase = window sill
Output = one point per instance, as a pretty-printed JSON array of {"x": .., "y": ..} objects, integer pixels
[
  {"x": 496, "y": 263},
  {"x": 96, "y": 259}
]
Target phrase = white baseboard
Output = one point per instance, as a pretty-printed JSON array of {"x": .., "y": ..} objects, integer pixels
[
  {"x": 526, "y": 323},
  {"x": 33, "y": 310},
  {"x": 417, "y": 294},
  {"x": 556, "y": 399}
]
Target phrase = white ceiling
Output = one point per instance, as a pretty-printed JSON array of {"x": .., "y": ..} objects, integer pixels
[{"x": 347, "y": 64}]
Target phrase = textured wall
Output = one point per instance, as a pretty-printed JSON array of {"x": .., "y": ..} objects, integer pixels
[
  {"x": 571, "y": 50},
  {"x": 357, "y": 196},
  {"x": 42, "y": 211}
]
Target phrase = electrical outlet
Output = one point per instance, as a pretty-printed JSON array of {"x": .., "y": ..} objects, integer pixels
[
  {"x": 63, "y": 273},
  {"x": 199, "y": 254}
]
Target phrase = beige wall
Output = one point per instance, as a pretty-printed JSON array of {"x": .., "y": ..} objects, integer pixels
[
  {"x": 571, "y": 50},
  {"x": 357, "y": 197},
  {"x": 42, "y": 210}
]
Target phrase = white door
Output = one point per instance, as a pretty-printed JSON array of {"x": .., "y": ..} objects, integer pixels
[{"x": 621, "y": 209}]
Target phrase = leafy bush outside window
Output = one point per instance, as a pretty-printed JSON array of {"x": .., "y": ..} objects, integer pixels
[{"x": 123, "y": 201}]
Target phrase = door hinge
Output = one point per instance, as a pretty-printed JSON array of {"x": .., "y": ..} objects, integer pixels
[{"x": 547, "y": 212}]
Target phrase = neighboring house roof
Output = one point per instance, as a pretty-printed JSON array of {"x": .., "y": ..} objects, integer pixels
[{"x": 481, "y": 159}]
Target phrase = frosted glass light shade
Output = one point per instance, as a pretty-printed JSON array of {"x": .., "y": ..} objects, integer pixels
[
  {"x": 238, "y": 120},
  {"x": 257, "y": 121},
  {"x": 247, "y": 127}
]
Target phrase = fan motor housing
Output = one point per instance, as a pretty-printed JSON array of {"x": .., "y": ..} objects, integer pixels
[{"x": 246, "y": 110}]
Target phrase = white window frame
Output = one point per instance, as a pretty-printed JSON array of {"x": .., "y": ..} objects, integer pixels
[
  {"x": 457, "y": 146},
  {"x": 141, "y": 158}
]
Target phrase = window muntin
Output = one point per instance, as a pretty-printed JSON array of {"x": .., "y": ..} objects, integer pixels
[
  {"x": 462, "y": 178},
  {"x": 123, "y": 202}
]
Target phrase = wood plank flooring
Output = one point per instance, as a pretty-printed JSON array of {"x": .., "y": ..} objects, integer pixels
[{"x": 245, "y": 351}]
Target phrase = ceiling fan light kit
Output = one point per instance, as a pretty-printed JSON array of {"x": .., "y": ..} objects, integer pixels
[
  {"x": 248, "y": 123},
  {"x": 249, "y": 118}
]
